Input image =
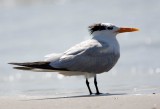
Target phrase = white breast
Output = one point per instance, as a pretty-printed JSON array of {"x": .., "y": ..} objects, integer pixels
[{"x": 109, "y": 40}]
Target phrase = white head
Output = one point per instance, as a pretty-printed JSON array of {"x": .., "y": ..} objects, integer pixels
[
  {"x": 108, "y": 29},
  {"x": 106, "y": 32}
]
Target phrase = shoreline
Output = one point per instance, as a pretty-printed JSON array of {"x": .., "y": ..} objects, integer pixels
[{"x": 145, "y": 101}]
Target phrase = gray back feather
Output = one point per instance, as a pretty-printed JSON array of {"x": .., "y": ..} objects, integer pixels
[{"x": 89, "y": 56}]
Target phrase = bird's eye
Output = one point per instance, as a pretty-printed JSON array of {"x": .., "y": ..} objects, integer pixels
[{"x": 110, "y": 28}]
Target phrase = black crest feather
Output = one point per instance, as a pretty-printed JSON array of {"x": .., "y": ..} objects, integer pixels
[{"x": 96, "y": 27}]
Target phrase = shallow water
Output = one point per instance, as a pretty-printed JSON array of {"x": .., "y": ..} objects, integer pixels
[{"x": 30, "y": 30}]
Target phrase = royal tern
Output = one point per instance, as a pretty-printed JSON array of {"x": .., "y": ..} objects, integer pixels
[{"x": 94, "y": 56}]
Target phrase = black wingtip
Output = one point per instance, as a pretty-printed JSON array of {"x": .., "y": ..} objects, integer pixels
[
  {"x": 35, "y": 65},
  {"x": 13, "y": 63},
  {"x": 23, "y": 68}
]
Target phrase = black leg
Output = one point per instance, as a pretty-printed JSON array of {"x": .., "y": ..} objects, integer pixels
[
  {"x": 87, "y": 83},
  {"x": 95, "y": 83}
]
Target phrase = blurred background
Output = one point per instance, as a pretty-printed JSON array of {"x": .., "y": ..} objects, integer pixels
[{"x": 30, "y": 29}]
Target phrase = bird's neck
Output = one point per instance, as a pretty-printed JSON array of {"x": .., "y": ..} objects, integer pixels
[
  {"x": 109, "y": 40},
  {"x": 104, "y": 37}
]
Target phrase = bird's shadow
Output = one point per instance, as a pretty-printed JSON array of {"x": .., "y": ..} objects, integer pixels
[{"x": 79, "y": 96}]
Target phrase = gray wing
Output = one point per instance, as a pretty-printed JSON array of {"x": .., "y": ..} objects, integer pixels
[{"x": 88, "y": 56}]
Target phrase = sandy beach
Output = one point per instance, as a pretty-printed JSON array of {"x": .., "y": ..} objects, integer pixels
[
  {"x": 32, "y": 29},
  {"x": 147, "y": 101}
]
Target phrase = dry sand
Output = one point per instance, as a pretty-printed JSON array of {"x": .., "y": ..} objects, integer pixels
[{"x": 150, "y": 101}]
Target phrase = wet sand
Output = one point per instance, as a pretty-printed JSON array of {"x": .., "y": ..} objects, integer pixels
[{"x": 147, "y": 101}]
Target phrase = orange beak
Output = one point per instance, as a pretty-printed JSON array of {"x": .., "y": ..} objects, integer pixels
[{"x": 122, "y": 30}]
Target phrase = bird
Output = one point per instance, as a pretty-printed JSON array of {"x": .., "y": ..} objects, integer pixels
[{"x": 88, "y": 58}]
